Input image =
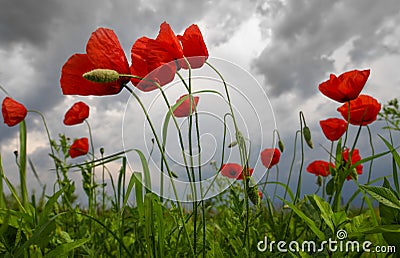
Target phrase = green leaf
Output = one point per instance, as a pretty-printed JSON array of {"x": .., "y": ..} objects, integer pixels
[
  {"x": 382, "y": 229},
  {"x": 339, "y": 218},
  {"x": 137, "y": 177},
  {"x": 326, "y": 211},
  {"x": 310, "y": 223},
  {"x": 63, "y": 249},
  {"x": 383, "y": 195},
  {"x": 128, "y": 192},
  {"x": 50, "y": 205},
  {"x": 146, "y": 171},
  {"x": 330, "y": 187},
  {"x": 396, "y": 158}
]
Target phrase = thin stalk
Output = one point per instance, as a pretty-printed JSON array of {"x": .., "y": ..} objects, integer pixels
[
  {"x": 191, "y": 101},
  {"x": 302, "y": 157},
  {"x": 22, "y": 163},
  {"x": 370, "y": 164},
  {"x": 92, "y": 198},
  {"x": 293, "y": 160},
  {"x": 347, "y": 128},
  {"x": 49, "y": 139},
  {"x": 2, "y": 200},
  {"x": 243, "y": 157},
  {"x": 276, "y": 186},
  {"x": 103, "y": 183},
  {"x": 165, "y": 161}
]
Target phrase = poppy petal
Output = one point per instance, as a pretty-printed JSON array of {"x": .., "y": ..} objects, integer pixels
[
  {"x": 72, "y": 82},
  {"x": 194, "y": 48},
  {"x": 104, "y": 50}
]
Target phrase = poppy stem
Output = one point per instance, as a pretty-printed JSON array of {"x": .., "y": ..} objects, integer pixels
[
  {"x": 244, "y": 158},
  {"x": 22, "y": 163},
  {"x": 370, "y": 164},
  {"x": 51, "y": 146},
  {"x": 4, "y": 90},
  {"x": 160, "y": 147},
  {"x": 92, "y": 198}
]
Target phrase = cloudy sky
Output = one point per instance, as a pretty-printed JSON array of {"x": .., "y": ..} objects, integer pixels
[{"x": 288, "y": 47}]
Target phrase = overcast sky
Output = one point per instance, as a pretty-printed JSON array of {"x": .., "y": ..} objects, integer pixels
[{"x": 289, "y": 46}]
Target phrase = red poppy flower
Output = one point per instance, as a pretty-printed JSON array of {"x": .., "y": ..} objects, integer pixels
[
  {"x": 76, "y": 114},
  {"x": 363, "y": 110},
  {"x": 194, "y": 48},
  {"x": 333, "y": 128},
  {"x": 103, "y": 51},
  {"x": 355, "y": 157},
  {"x": 79, "y": 147},
  {"x": 153, "y": 59},
  {"x": 320, "y": 168},
  {"x": 270, "y": 157},
  {"x": 183, "y": 109},
  {"x": 260, "y": 194},
  {"x": 233, "y": 170},
  {"x": 240, "y": 177},
  {"x": 13, "y": 111},
  {"x": 345, "y": 87}
]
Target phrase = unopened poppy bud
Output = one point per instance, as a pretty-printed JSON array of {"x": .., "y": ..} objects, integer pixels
[
  {"x": 16, "y": 153},
  {"x": 102, "y": 151},
  {"x": 319, "y": 181},
  {"x": 281, "y": 146},
  {"x": 232, "y": 144},
  {"x": 307, "y": 136},
  {"x": 254, "y": 196},
  {"x": 353, "y": 174},
  {"x": 101, "y": 75}
]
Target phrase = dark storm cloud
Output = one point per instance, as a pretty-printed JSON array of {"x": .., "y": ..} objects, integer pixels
[
  {"x": 27, "y": 21},
  {"x": 305, "y": 34},
  {"x": 46, "y": 34}
]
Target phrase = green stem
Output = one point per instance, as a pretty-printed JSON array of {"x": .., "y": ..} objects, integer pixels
[
  {"x": 370, "y": 164},
  {"x": 51, "y": 145},
  {"x": 160, "y": 147},
  {"x": 22, "y": 163},
  {"x": 243, "y": 157},
  {"x": 92, "y": 197},
  {"x": 292, "y": 164},
  {"x": 2, "y": 200}
]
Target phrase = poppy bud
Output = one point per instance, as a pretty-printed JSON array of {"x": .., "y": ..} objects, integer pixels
[
  {"x": 102, "y": 151},
  {"x": 102, "y": 75},
  {"x": 232, "y": 144},
  {"x": 253, "y": 195},
  {"x": 307, "y": 136},
  {"x": 319, "y": 180},
  {"x": 353, "y": 174},
  {"x": 281, "y": 146}
]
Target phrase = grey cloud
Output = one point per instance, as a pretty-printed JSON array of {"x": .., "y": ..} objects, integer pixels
[
  {"x": 306, "y": 34},
  {"x": 27, "y": 21}
]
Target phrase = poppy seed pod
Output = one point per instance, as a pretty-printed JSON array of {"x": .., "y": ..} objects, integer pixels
[{"x": 101, "y": 75}]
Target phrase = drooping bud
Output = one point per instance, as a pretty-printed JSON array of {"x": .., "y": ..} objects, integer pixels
[
  {"x": 101, "y": 75},
  {"x": 319, "y": 180},
  {"x": 232, "y": 144},
  {"x": 353, "y": 174},
  {"x": 307, "y": 136},
  {"x": 281, "y": 146}
]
